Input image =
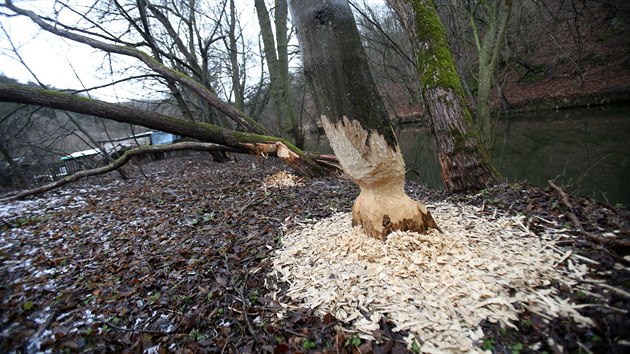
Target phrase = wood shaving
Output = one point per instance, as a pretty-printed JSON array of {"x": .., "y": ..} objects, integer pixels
[
  {"x": 439, "y": 287},
  {"x": 281, "y": 180}
]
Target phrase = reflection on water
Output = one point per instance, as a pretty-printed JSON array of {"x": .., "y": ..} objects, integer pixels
[{"x": 586, "y": 150}]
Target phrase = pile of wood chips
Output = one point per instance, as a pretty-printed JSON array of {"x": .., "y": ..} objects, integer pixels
[
  {"x": 281, "y": 180},
  {"x": 438, "y": 287}
]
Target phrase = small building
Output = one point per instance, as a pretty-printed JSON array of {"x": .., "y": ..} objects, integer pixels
[
  {"x": 119, "y": 145},
  {"x": 161, "y": 138},
  {"x": 80, "y": 154}
]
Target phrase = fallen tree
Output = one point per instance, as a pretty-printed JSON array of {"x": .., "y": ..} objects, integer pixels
[
  {"x": 247, "y": 142},
  {"x": 54, "y": 27}
]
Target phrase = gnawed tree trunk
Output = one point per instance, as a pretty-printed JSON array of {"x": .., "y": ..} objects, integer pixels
[
  {"x": 464, "y": 162},
  {"x": 355, "y": 119},
  {"x": 254, "y": 143}
]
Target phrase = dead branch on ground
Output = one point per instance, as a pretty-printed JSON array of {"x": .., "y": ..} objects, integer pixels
[
  {"x": 577, "y": 225},
  {"x": 121, "y": 161}
]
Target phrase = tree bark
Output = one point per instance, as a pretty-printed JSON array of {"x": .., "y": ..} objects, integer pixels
[
  {"x": 282, "y": 48},
  {"x": 355, "y": 119},
  {"x": 253, "y": 143},
  {"x": 489, "y": 51},
  {"x": 276, "y": 55},
  {"x": 465, "y": 164},
  {"x": 239, "y": 101}
]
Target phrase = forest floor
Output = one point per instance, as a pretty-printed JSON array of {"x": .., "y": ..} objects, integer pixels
[{"x": 178, "y": 259}]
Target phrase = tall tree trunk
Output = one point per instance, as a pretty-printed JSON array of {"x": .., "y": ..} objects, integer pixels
[
  {"x": 464, "y": 162},
  {"x": 354, "y": 117},
  {"x": 276, "y": 55},
  {"x": 282, "y": 48},
  {"x": 489, "y": 52},
  {"x": 205, "y": 132},
  {"x": 239, "y": 101}
]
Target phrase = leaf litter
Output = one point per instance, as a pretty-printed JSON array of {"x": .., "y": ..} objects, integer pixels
[
  {"x": 177, "y": 259},
  {"x": 169, "y": 260}
]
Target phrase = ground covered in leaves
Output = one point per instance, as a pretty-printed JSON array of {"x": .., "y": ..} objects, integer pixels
[{"x": 176, "y": 259}]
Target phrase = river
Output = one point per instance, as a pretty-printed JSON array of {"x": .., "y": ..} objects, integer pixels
[{"x": 586, "y": 151}]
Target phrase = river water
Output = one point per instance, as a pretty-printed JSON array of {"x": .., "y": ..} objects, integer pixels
[{"x": 586, "y": 151}]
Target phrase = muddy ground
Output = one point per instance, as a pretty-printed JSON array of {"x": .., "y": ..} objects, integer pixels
[{"x": 175, "y": 259}]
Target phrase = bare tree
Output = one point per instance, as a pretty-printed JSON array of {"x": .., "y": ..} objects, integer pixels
[
  {"x": 251, "y": 142},
  {"x": 477, "y": 33},
  {"x": 277, "y": 58},
  {"x": 237, "y": 74},
  {"x": 496, "y": 16},
  {"x": 389, "y": 51}
]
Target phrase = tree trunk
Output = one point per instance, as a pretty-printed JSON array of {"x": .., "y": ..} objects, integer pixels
[
  {"x": 465, "y": 164},
  {"x": 355, "y": 119},
  {"x": 282, "y": 47},
  {"x": 258, "y": 144},
  {"x": 489, "y": 51},
  {"x": 276, "y": 55},
  {"x": 239, "y": 101}
]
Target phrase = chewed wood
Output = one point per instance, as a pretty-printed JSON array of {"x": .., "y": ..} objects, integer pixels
[
  {"x": 439, "y": 287},
  {"x": 365, "y": 156}
]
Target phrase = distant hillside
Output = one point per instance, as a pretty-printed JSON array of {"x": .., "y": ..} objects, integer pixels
[
  {"x": 559, "y": 54},
  {"x": 573, "y": 56}
]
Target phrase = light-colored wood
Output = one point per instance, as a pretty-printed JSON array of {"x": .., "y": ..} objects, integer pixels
[
  {"x": 379, "y": 170},
  {"x": 439, "y": 287}
]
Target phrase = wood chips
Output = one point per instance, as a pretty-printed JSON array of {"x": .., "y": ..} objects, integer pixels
[
  {"x": 281, "y": 180},
  {"x": 438, "y": 287}
]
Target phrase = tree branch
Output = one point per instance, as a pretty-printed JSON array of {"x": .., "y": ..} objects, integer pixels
[
  {"x": 118, "y": 163},
  {"x": 199, "y": 89},
  {"x": 577, "y": 225},
  {"x": 254, "y": 143}
]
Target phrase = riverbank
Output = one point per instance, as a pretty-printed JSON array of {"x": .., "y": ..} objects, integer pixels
[{"x": 181, "y": 260}]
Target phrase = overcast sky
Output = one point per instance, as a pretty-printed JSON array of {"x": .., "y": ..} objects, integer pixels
[{"x": 55, "y": 60}]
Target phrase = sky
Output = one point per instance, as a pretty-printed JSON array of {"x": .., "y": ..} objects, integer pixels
[
  {"x": 62, "y": 63},
  {"x": 52, "y": 59}
]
